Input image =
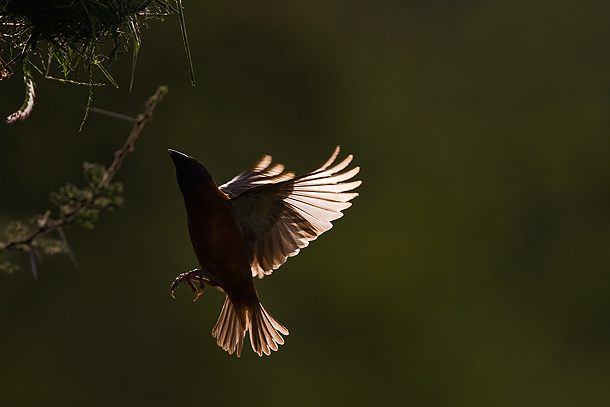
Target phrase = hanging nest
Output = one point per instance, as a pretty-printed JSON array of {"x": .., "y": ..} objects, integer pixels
[
  {"x": 69, "y": 21},
  {"x": 77, "y": 38}
]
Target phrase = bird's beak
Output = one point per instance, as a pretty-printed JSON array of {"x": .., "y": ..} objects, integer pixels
[{"x": 177, "y": 156}]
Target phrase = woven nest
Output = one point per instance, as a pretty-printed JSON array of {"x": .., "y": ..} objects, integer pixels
[
  {"x": 70, "y": 21},
  {"x": 75, "y": 32},
  {"x": 81, "y": 36}
]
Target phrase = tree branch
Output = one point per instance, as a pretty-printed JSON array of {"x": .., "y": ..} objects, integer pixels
[
  {"x": 98, "y": 190},
  {"x": 141, "y": 121}
]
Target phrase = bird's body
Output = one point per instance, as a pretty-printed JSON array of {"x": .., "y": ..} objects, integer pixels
[
  {"x": 216, "y": 239},
  {"x": 247, "y": 228}
]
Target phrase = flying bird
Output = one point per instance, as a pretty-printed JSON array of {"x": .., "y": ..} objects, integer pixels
[{"x": 248, "y": 227}]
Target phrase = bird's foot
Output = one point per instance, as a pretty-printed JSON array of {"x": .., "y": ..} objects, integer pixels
[{"x": 192, "y": 277}]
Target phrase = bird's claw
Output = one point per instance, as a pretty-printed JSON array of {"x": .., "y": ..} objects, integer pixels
[{"x": 190, "y": 277}]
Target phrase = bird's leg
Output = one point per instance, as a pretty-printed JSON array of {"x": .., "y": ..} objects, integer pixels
[{"x": 195, "y": 275}]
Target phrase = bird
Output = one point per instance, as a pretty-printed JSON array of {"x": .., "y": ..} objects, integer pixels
[{"x": 248, "y": 227}]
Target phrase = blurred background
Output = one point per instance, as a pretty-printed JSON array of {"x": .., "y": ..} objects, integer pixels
[{"x": 473, "y": 269}]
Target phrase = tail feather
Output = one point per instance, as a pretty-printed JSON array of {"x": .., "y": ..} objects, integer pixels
[
  {"x": 264, "y": 329},
  {"x": 228, "y": 330}
]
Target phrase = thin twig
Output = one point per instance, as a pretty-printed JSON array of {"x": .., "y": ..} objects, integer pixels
[
  {"x": 73, "y": 82},
  {"x": 112, "y": 114},
  {"x": 142, "y": 119}
]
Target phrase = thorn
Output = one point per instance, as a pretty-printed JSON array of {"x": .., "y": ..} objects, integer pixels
[
  {"x": 38, "y": 256},
  {"x": 33, "y": 265},
  {"x": 68, "y": 248}
]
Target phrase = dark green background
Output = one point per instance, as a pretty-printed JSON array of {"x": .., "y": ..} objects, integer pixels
[{"x": 472, "y": 270}]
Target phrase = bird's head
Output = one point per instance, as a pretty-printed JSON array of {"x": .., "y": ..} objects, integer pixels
[{"x": 189, "y": 171}]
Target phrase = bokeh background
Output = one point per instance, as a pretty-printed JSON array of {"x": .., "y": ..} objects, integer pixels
[{"x": 472, "y": 270}]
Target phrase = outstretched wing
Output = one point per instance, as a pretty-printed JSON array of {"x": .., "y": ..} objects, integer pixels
[
  {"x": 261, "y": 173},
  {"x": 280, "y": 213}
]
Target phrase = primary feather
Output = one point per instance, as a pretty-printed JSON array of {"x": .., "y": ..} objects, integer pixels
[{"x": 280, "y": 214}]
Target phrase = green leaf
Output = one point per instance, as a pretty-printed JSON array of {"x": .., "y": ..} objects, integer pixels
[
  {"x": 106, "y": 73},
  {"x": 135, "y": 32},
  {"x": 8, "y": 267},
  {"x": 16, "y": 230},
  {"x": 186, "y": 41},
  {"x": 64, "y": 62},
  {"x": 93, "y": 173}
]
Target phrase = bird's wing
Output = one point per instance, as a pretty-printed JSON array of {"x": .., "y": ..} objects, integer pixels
[
  {"x": 280, "y": 214},
  {"x": 260, "y": 174}
]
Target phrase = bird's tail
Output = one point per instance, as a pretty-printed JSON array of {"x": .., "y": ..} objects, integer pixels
[
  {"x": 228, "y": 330},
  {"x": 264, "y": 329}
]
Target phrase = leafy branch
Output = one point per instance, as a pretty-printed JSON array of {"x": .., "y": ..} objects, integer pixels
[{"x": 76, "y": 205}]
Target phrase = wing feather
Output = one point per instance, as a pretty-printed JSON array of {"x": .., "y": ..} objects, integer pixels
[{"x": 280, "y": 214}]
